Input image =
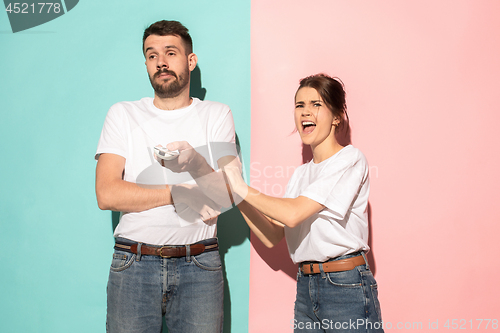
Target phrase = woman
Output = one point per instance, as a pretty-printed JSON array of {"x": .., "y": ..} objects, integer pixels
[{"x": 323, "y": 216}]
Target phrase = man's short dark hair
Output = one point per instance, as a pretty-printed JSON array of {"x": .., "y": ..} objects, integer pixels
[{"x": 169, "y": 28}]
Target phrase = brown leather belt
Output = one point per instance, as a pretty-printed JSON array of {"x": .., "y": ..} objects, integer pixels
[
  {"x": 167, "y": 251},
  {"x": 333, "y": 266}
]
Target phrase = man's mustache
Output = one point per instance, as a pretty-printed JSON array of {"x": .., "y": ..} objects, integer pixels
[{"x": 164, "y": 70}]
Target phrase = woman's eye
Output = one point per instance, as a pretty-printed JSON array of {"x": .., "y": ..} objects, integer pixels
[{"x": 317, "y": 105}]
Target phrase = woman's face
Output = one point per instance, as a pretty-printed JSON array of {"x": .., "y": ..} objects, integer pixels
[{"x": 315, "y": 122}]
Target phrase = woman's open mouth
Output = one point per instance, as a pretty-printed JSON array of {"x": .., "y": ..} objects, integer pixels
[{"x": 308, "y": 127}]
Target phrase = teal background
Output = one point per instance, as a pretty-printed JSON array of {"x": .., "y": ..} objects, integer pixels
[
  {"x": 31, "y": 13},
  {"x": 57, "y": 82}
]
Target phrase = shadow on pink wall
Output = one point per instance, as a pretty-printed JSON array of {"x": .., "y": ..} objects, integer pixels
[{"x": 276, "y": 258}]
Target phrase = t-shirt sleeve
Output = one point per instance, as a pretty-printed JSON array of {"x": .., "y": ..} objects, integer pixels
[
  {"x": 223, "y": 130},
  {"x": 339, "y": 183},
  {"x": 113, "y": 139},
  {"x": 224, "y": 138}
]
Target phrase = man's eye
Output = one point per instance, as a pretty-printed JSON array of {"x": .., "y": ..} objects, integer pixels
[{"x": 298, "y": 106}]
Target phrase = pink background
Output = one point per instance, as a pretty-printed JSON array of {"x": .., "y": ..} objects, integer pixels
[{"x": 422, "y": 83}]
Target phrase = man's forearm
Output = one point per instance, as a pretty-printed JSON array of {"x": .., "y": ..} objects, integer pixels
[{"x": 123, "y": 196}]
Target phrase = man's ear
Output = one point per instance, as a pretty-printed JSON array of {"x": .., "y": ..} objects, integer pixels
[{"x": 192, "y": 61}]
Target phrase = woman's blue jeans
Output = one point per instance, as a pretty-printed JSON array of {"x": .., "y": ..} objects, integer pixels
[
  {"x": 188, "y": 291},
  {"x": 337, "y": 302}
]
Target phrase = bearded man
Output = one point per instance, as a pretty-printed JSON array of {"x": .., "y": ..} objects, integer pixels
[{"x": 166, "y": 261}]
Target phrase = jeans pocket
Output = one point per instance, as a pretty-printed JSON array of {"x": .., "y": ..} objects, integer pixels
[
  {"x": 209, "y": 261},
  {"x": 374, "y": 289},
  {"x": 121, "y": 260},
  {"x": 347, "y": 279},
  {"x": 371, "y": 290}
]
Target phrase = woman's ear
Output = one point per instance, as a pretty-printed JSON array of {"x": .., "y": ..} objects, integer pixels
[{"x": 336, "y": 121}]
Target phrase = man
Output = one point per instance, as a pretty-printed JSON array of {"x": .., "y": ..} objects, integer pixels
[{"x": 166, "y": 260}]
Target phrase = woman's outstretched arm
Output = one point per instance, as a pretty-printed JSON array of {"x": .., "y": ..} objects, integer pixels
[
  {"x": 269, "y": 231},
  {"x": 287, "y": 211}
]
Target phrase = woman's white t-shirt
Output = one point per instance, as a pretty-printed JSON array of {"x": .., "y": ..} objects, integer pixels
[{"x": 341, "y": 184}]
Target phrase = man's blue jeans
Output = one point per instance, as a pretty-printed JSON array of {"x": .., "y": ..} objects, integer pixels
[
  {"x": 188, "y": 291},
  {"x": 337, "y": 302}
]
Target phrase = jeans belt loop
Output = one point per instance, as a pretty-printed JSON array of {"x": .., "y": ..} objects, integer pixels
[
  {"x": 323, "y": 274},
  {"x": 366, "y": 260},
  {"x": 188, "y": 253},
  {"x": 138, "y": 258}
]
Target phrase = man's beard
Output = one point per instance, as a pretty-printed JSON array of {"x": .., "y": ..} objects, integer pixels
[{"x": 171, "y": 89}]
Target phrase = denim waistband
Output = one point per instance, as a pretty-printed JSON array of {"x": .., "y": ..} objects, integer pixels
[
  {"x": 208, "y": 241},
  {"x": 350, "y": 255}
]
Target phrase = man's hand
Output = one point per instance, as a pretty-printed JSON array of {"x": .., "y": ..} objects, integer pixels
[
  {"x": 188, "y": 160},
  {"x": 212, "y": 183},
  {"x": 190, "y": 195}
]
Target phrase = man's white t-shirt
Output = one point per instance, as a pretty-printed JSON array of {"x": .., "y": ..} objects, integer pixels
[
  {"x": 341, "y": 184},
  {"x": 132, "y": 129}
]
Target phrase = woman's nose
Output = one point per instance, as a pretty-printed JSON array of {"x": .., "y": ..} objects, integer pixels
[{"x": 306, "y": 112}]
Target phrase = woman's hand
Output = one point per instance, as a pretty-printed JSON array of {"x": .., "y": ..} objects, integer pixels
[{"x": 238, "y": 186}]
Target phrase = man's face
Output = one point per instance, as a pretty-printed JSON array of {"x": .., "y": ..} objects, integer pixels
[{"x": 168, "y": 65}]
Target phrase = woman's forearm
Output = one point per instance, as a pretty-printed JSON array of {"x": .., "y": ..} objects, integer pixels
[
  {"x": 289, "y": 211},
  {"x": 268, "y": 231}
]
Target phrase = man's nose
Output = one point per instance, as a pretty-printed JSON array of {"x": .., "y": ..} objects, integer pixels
[{"x": 161, "y": 62}]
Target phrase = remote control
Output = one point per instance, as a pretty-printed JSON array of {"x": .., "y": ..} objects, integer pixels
[{"x": 165, "y": 154}]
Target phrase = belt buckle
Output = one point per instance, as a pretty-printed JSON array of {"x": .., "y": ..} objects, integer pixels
[
  {"x": 160, "y": 250},
  {"x": 311, "y": 265}
]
